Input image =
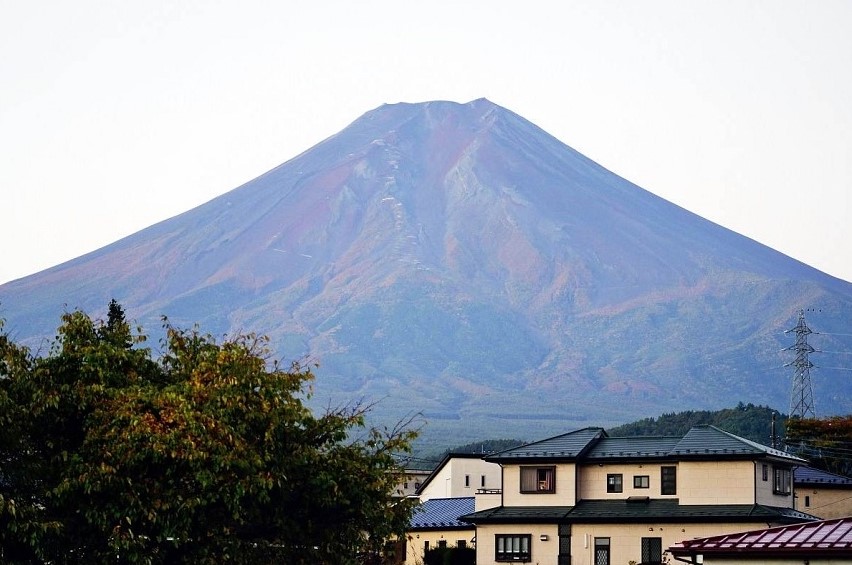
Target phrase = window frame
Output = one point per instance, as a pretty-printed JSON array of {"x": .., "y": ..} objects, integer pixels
[
  {"x": 614, "y": 482},
  {"x": 511, "y": 555},
  {"x": 651, "y": 545},
  {"x": 782, "y": 481},
  {"x": 637, "y": 481},
  {"x": 668, "y": 485},
  {"x": 602, "y": 544},
  {"x": 537, "y": 481}
]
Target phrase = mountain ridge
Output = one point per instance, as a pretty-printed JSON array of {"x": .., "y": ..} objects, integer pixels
[{"x": 456, "y": 259}]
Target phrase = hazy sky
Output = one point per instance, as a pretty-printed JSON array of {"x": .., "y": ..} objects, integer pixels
[{"x": 115, "y": 115}]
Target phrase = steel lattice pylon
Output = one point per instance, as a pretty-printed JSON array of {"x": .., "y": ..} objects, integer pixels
[{"x": 802, "y": 395}]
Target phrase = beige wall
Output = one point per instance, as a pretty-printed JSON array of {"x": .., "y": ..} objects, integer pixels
[
  {"x": 542, "y": 552},
  {"x": 698, "y": 482},
  {"x": 484, "y": 501},
  {"x": 565, "y": 487},
  {"x": 824, "y": 503},
  {"x": 416, "y": 542},
  {"x": 592, "y": 481},
  {"x": 449, "y": 482},
  {"x": 712, "y": 482},
  {"x": 625, "y": 540}
]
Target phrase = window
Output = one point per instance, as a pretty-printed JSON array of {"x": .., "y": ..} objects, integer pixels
[
  {"x": 514, "y": 547},
  {"x": 442, "y": 543},
  {"x": 668, "y": 480},
  {"x": 482, "y": 481},
  {"x": 807, "y": 501},
  {"x": 467, "y": 481},
  {"x": 538, "y": 479},
  {"x": 614, "y": 483},
  {"x": 652, "y": 550},
  {"x": 641, "y": 481},
  {"x": 765, "y": 472},
  {"x": 601, "y": 551},
  {"x": 462, "y": 543},
  {"x": 425, "y": 547},
  {"x": 782, "y": 481}
]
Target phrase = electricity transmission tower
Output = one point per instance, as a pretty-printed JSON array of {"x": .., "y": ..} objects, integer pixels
[{"x": 802, "y": 396}]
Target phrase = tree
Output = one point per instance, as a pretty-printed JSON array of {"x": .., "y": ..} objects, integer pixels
[
  {"x": 825, "y": 442},
  {"x": 207, "y": 454}
]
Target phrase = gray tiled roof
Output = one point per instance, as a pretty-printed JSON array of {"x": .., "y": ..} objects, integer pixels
[
  {"x": 525, "y": 514},
  {"x": 593, "y": 444},
  {"x": 811, "y": 476},
  {"x": 563, "y": 447},
  {"x": 619, "y": 511},
  {"x": 712, "y": 442},
  {"x": 442, "y": 513},
  {"x": 640, "y": 447},
  {"x": 662, "y": 510}
]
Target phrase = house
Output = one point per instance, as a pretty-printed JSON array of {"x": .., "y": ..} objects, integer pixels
[
  {"x": 411, "y": 481},
  {"x": 460, "y": 474},
  {"x": 435, "y": 523},
  {"x": 821, "y": 493},
  {"x": 585, "y": 498},
  {"x": 825, "y": 542},
  {"x": 446, "y": 493}
]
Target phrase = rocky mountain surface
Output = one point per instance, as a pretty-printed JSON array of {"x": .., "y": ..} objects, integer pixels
[{"x": 458, "y": 261}]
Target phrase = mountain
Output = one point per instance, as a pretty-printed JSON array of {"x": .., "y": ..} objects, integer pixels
[{"x": 456, "y": 260}]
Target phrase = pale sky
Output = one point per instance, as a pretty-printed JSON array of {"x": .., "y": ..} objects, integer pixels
[{"x": 117, "y": 115}]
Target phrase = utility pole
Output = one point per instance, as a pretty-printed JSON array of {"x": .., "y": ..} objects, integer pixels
[{"x": 802, "y": 396}]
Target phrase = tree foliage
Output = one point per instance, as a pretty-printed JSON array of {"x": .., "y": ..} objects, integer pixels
[
  {"x": 206, "y": 454},
  {"x": 825, "y": 442},
  {"x": 745, "y": 420}
]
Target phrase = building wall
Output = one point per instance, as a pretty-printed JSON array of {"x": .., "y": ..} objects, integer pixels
[
  {"x": 592, "y": 481},
  {"x": 823, "y": 502},
  {"x": 417, "y": 541},
  {"x": 542, "y": 552},
  {"x": 716, "y": 482},
  {"x": 625, "y": 540},
  {"x": 565, "y": 487},
  {"x": 764, "y": 488},
  {"x": 449, "y": 482},
  {"x": 411, "y": 481},
  {"x": 484, "y": 501}
]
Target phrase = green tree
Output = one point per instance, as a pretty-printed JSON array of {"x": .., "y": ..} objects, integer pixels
[{"x": 207, "y": 454}]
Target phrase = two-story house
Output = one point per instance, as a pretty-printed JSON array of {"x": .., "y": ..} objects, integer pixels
[
  {"x": 445, "y": 494},
  {"x": 584, "y": 498},
  {"x": 460, "y": 474}
]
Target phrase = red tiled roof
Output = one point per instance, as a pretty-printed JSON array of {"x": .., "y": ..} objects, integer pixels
[{"x": 832, "y": 537}]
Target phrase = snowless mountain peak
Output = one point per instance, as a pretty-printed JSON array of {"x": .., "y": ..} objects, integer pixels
[{"x": 458, "y": 261}]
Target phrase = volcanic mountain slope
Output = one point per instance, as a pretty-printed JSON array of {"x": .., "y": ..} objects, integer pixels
[{"x": 458, "y": 261}]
